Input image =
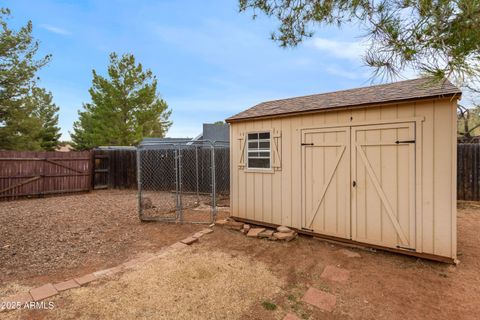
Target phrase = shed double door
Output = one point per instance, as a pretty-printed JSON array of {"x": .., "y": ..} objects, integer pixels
[{"x": 359, "y": 183}]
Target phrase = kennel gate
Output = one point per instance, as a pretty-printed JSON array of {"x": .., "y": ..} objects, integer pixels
[{"x": 182, "y": 182}]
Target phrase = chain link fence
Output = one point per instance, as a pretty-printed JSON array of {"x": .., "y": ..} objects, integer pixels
[{"x": 185, "y": 182}]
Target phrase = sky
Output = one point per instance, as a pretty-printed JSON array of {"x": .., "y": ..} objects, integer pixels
[{"x": 210, "y": 60}]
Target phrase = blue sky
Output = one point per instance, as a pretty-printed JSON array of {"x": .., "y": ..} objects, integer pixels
[{"x": 210, "y": 60}]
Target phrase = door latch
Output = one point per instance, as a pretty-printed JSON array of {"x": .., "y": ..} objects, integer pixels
[
  {"x": 354, "y": 183},
  {"x": 307, "y": 144}
]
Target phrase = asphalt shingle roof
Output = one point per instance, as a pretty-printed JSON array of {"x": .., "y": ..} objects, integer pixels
[{"x": 386, "y": 93}]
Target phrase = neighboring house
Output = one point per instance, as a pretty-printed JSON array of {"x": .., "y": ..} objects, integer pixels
[
  {"x": 212, "y": 132},
  {"x": 374, "y": 165},
  {"x": 215, "y": 133}
]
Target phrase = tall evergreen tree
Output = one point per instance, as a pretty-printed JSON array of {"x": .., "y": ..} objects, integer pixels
[
  {"x": 124, "y": 108},
  {"x": 46, "y": 112},
  {"x": 20, "y": 127}
]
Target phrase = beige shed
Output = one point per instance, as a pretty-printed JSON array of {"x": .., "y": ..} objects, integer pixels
[{"x": 373, "y": 165}]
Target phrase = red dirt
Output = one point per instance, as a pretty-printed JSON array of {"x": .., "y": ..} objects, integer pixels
[
  {"x": 55, "y": 238},
  {"x": 381, "y": 285}
]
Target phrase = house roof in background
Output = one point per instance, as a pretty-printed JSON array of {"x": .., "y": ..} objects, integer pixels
[
  {"x": 385, "y": 93},
  {"x": 163, "y": 140}
]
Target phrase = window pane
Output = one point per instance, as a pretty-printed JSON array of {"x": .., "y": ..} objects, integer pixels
[
  {"x": 259, "y": 163},
  {"x": 265, "y": 144},
  {"x": 264, "y": 135},
  {"x": 252, "y": 144},
  {"x": 259, "y": 150}
]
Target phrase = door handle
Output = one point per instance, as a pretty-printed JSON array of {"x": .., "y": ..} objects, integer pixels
[{"x": 354, "y": 183}]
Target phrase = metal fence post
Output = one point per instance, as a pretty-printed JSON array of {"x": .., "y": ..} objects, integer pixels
[
  {"x": 196, "y": 172},
  {"x": 139, "y": 184},
  {"x": 178, "y": 151},
  {"x": 214, "y": 188}
]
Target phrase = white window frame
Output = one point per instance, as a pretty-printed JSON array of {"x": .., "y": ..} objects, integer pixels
[{"x": 269, "y": 150}]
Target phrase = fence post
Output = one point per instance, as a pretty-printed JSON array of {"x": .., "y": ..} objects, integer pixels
[
  {"x": 196, "y": 172},
  {"x": 92, "y": 169},
  {"x": 139, "y": 184},
  {"x": 214, "y": 191},
  {"x": 178, "y": 183},
  {"x": 43, "y": 174}
]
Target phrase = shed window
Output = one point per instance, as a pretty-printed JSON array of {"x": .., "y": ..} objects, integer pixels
[{"x": 258, "y": 150}]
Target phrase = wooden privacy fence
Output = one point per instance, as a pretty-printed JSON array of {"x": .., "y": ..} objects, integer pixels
[
  {"x": 27, "y": 173},
  {"x": 115, "y": 169},
  {"x": 468, "y": 171}
]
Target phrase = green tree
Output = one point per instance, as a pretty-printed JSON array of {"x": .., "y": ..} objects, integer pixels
[
  {"x": 46, "y": 112},
  {"x": 33, "y": 125},
  {"x": 440, "y": 38},
  {"x": 19, "y": 125},
  {"x": 20, "y": 129},
  {"x": 124, "y": 108}
]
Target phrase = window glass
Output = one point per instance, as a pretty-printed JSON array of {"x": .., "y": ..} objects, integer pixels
[{"x": 259, "y": 153}]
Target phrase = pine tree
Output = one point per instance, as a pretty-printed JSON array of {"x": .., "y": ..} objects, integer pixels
[
  {"x": 124, "y": 108},
  {"x": 440, "y": 38},
  {"x": 19, "y": 126},
  {"x": 46, "y": 112}
]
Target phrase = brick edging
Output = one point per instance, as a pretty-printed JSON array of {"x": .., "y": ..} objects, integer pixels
[{"x": 49, "y": 290}]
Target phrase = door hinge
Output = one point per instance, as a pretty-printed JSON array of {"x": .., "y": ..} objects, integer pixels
[
  {"x": 307, "y": 144},
  {"x": 404, "y": 141},
  {"x": 405, "y": 248}
]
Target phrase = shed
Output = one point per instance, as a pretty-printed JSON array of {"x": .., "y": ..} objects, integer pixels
[{"x": 373, "y": 165}]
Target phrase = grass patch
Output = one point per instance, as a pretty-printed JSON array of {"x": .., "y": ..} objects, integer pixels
[{"x": 268, "y": 305}]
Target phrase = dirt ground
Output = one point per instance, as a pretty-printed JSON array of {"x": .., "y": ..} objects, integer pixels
[
  {"x": 186, "y": 284},
  {"x": 381, "y": 286},
  {"x": 229, "y": 276},
  {"x": 50, "y": 239}
]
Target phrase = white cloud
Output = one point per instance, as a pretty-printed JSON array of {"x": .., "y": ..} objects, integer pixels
[
  {"x": 55, "y": 30},
  {"x": 340, "y": 49}
]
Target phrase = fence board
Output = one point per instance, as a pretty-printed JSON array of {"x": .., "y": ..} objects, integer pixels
[
  {"x": 115, "y": 169},
  {"x": 468, "y": 171},
  {"x": 28, "y": 173}
]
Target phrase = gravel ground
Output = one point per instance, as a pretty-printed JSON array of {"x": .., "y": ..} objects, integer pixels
[{"x": 51, "y": 239}]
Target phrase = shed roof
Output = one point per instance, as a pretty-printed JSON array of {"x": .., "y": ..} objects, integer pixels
[{"x": 421, "y": 88}]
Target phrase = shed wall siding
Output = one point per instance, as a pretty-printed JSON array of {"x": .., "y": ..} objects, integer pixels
[{"x": 276, "y": 197}]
